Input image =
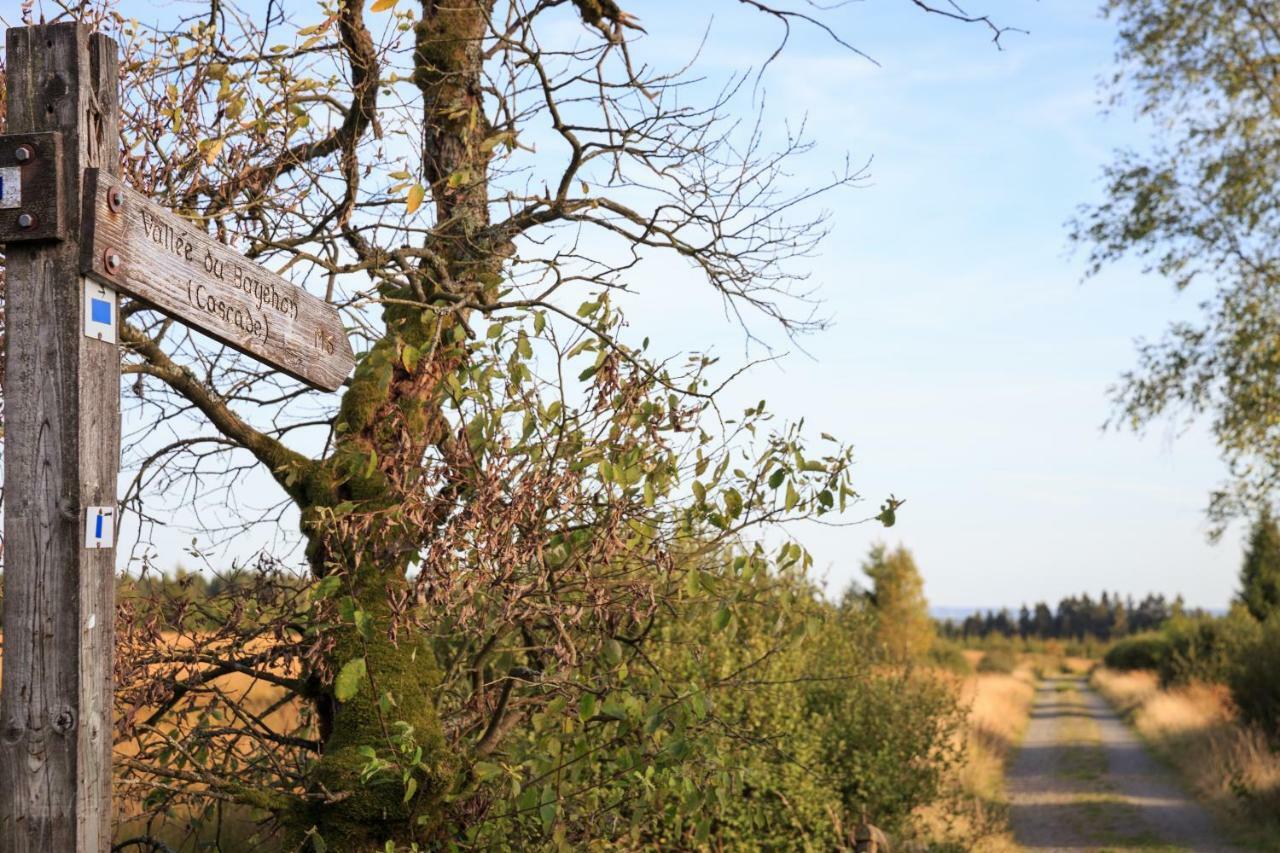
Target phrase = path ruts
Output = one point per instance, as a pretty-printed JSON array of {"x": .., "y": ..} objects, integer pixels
[{"x": 1083, "y": 781}]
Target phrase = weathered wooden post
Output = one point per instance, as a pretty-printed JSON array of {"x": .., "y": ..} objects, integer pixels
[
  {"x": 74, "y": 234},
  {"x": 61, "y": 453}
]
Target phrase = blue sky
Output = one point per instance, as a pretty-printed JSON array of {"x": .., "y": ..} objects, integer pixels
[{"x": 968, "y": 361}]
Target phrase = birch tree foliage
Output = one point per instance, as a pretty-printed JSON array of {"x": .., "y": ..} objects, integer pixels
[{"x": 1198, "y": 206}]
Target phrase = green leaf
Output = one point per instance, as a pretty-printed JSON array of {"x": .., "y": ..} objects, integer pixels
[
  {"x": 410, "y": 788},
  {"x": 347, "y": 608},
  {"x": 409, "y": 357},
  {"x": 364, "y": 622},
  {"x": 888, "y": 512},
  {"x": 699, "y": 491},
  {"x": 586, "y": 706},
  {"x": 776, "y": 478},
  {"x": 793, "y": 497},
  {"x": 346, "y": 685},
  {"x": 613, "y": 651},
  {"x": 328, "y": 586},
  {"x": 733, "y": 503},
  {"x": 721, "y": 619},
  {"x": 486, "y": 770}
]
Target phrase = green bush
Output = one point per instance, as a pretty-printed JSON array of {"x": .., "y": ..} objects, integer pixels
[
  {"x": 1141, "y": 651},
  {"x": 1206, "y": 648},
  {"x": 948, "y": 655},
  {"x": 998, "y": 660},
  {"x": 759, "y": 718},
  {"x": 1255, "y": 681}
]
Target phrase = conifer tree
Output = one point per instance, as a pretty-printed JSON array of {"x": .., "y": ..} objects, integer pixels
[{"x": 1260, "y": 574}]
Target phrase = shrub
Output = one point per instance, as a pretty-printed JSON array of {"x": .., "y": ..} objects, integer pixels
[
  {"x": 1255, "y": 681},
  {"x": 998, "y": 660},
  {"x": 796, "y": 724},
  {"x": 948, "y": 655},
  {"x": 1141, "y": 651},
  {"x": 1206, "y": 648}
]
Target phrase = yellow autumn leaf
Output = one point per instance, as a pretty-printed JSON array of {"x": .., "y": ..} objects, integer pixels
[
  {"x": 212, "y": 148},
  {"x": 416, "y": 194},
  {"x": 382, "y": 5}
]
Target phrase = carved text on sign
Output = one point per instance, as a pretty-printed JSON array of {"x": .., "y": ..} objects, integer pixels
[{"x": 153, "y": 255}]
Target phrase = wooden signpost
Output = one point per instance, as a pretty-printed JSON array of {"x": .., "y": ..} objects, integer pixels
[
  {"x": 73, "y": 236},
  {"x": 139, "y": 247}
]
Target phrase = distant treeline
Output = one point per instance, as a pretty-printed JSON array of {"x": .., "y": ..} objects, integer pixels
[
  {"x": 194, "y": 599},
  {"x": 1075, "y": 618}
]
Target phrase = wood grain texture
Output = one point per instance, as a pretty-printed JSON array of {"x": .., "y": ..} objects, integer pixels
[
  {"x": 166, "y": 262},
  {"x": 41, "y": 188},
  {"x": 62, "y": 436}
]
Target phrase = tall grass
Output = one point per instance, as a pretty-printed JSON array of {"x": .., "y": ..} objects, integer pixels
[
  {"x": 1228, "y": 765},
  {"x": 999, "y": 705}
]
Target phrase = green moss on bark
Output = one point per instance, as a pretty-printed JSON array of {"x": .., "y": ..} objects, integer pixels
[{"x": 392, "y": 711}]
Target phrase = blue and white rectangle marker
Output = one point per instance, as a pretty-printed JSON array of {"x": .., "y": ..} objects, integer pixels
[
  {"x": 99, "y": 311},
  {"x": 10, "y": 186},
  {"x": 100, "y": 527}
]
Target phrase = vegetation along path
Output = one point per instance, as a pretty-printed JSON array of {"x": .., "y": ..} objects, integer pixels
[{"x": 1083, "y": 781}]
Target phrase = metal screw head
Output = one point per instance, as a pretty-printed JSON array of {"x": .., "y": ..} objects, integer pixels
[
  {"x": 115, "y": 199},
  {"x": 26, "y": 220},
  {"x": 22, "y": 153},
  {"x": 111, "y": 258}
]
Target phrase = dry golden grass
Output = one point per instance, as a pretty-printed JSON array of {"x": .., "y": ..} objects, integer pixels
[
  {"x": 1077, "y": 665},
  {"x": 999, "y": 706},
  {"x": 1227, "y": 765}
]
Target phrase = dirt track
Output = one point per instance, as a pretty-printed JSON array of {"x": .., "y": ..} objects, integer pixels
[{"x": 1083, "y": 781}]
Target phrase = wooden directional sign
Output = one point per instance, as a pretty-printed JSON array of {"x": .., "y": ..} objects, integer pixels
[{"x": 137, "y": 246}]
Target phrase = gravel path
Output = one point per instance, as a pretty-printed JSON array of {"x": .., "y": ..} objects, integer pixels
[{"x": 1083, "y": 781}]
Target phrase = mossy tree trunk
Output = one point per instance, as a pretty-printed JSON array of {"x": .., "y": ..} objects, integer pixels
[{"x": 363, "y": 513}]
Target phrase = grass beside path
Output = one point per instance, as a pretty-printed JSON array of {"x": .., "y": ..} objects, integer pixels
[
  {"x": 1226, "y": 766},
  {"x": 998, "y": 707}
]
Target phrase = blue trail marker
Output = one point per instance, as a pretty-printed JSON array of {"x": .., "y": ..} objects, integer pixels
[
  {"x": 99, "y": 527},
  {"x": 99, "y": 311}
]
